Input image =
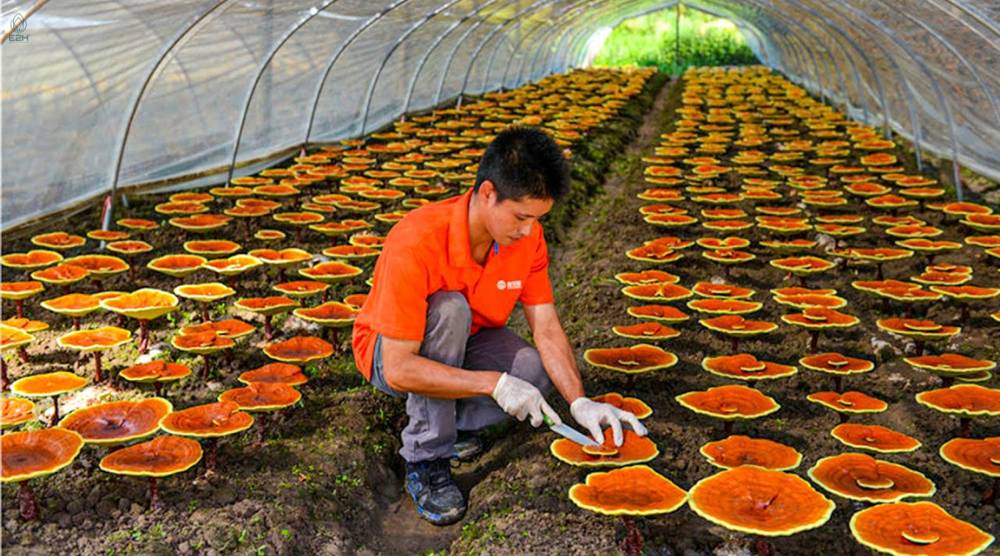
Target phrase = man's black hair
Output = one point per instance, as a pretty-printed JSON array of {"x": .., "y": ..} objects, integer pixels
[{"x": 524, "y": 162}]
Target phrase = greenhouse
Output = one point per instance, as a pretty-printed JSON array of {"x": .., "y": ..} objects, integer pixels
[{"x": 500, "y": 277}]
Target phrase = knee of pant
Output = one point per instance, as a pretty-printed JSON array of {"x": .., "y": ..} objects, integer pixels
[
  {"x": 449, "y": 307},
  {"x": 528, "y": 365}
]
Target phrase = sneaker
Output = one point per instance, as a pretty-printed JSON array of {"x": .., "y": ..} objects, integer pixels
[
  {"x": 435, "y": 493},
  {"x": 468, "y": 445}
]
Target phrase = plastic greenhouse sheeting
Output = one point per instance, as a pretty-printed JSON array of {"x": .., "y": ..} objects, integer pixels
[{"x": 117, "y": 94}]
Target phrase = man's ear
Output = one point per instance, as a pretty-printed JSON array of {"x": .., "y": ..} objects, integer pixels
[{"x": 487, "y": 190}]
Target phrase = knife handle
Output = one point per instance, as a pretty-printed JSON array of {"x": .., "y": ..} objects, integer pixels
[{"x": 547, "y": 420}]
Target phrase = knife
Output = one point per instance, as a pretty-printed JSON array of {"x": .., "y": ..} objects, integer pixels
[{"x": 569, "y": 432}]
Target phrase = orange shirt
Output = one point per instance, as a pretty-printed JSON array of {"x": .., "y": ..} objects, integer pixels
[{"x": 428, "y": 251}]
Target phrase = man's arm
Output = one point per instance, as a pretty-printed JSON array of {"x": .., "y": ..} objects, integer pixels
[
  {"x": 554, "y": 348},
  {"x": 405, "y": 370}
]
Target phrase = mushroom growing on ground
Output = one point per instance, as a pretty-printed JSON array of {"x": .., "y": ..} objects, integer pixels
[
  {"x": 18, "y": 292},
  {"x": 112, "y": 423},
  {"x": 332, "y": 315},
  {"x": 848, "y": 403},
  {"x": 862, "y": 477},
  {"x": 920, "y": 330},
  {"x": 262, "y": 397},
  {"x": 837, "y": 365},
  {"x": 160, "y": 457},
  {"x": 976, "y": 455},
  {"x": 95, "y": 340},
  {"x": 204, "y": 294},
  {"x": 11, "y": 338},
  {"x": 31, "y": 454},
  {"x": 203, "y": 344},
  {"x": 144, "y": 305},
  {"x": 632, "y": 360},
  {"x": 157, "y": 372},
  {"x": 737, "y": 327},
  {"x": 635, "y": 406},
  {"x": 267, "y": 307},
  {"x": 761, "y": 502},
  {"x": 874, "y": 437},
  {"x": 628, "y": 492},
  {"x": 816, "y": 319},
  {"x": 634, "y": 449},
  {"x": 950, "y": 366},
  {"x": 49, "y": 385},
  {"x": 73, "y": 305},
  {"x": 283, "y": 373},
  {"x": 734, "y": 451},
  {"x": 16, "y": 411},
  {"x": 965, "y": 400},
  {"x": 916, "y": 528},
  {"x": 209, "y": 421},
  {"x": 744, "y": 366},
  {"x": 729, "y": 403}
]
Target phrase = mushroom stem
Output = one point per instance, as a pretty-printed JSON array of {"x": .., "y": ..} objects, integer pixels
[
  {"x": 965, "y": 312},
  {"x": 99, "y": 284},
  {"x": 268, "y": 331},
  {"x": 154, "y": 495},
  {"x": 629, "y": 381},
  {"x": 213, "y": 450},
  {"x": 204, "y": 369},
  {"x": 947, "y": 381},
  {"x": 879, "y": 275},
  {"x": 991, "y": 493},
  {"x": 763, "y": 547},
  {"x": 158, "y": 388},
  {"x": 98, "y": 377},
  {"x": 920, "y": 347},
  {"x": 632, "y": 543},
  {"x": 143, "y": 336},
  {"x": 802, "y": 280},
  {"x": 76, "y": 323},
  {"x": 727, "y": 428},
  {"x": 19, "y": 304},
  {"x": 3, "y": 375},
  {"x": 204, "y": 313},
  {"x": 335, "y": 340},
  {"x": 23, "y": 354},
  {"x": 813, "y": 341},
  {"x": 121, "y": 321},
  {"x": 26, "y": 501},
  {"x": 55, "y": 411},
  {"x": 838, "y": 383},
  {"x": 734, "y": 343},
  {"x": 325, "y": 292},
  {"x": 965, "y": 430},
  {"x": 843, "y": 416}
]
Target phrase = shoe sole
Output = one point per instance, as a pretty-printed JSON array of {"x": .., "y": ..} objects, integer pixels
[{"x": 433, "y": 517}]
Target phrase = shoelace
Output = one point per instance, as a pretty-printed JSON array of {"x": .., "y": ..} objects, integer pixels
[{"x": 439, "y": 473}]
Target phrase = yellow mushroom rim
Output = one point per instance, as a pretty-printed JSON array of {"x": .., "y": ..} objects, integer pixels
[
  {"x": 322, "y": 272},
  {"x": 28, "y": 450},
  {"x": 758, "y": 501},
  {"x": 206, "y": 417},
  {"x": 233, "y": 265},
  {"x": 94, "y": 339},
  {"x": 634, "y": 449},
  {"x": 142, "y": 304},
  {"x": 875, "y": 438},
  {"x": 266, "y": 306},
  {"x": 11, "y": 337},
  {"x": 864, "y": 478},
  {"x": 169, "y": 454},
  {"x": 735, "y": 325},
  {"x": 20, "y": 290},
  {"x": 660, "y": 313},
  {"x": 744, "y": 366},
  {"x": 252, "y": 397},
  {"x": 635, "y": 406},
  {"x": 973, "y": 454},
  {"x": 718, "y": 306},
  {"x": 920, "y": 329},
  {"x": 205, "y": 292},
  {"x": 629, "y": 360},
  {"x": 156, "y": 408},
  {"x": 848, "y": 402},
  {"x": 331, "y": 314},
  {"x": 724, "y": 402},
  {"x": 646, "y": 277},
  {"x": 201, "y": 343},
  {"x": 16, "y": 411},
  {"x": 216, "y": 247},
  {"x": 635, "y": 491},
  {"x": 744, "y": 449},
  {"x": 657, "y": 292},
  {"x": 48, "y": 384},
  {"x": 916, "y": 528},
  {"x": 950, "y": 364},
  {"x": 191, "y": 264},
  {"x": 802, "y": 265},
  {"x": 967, "y": 400}
]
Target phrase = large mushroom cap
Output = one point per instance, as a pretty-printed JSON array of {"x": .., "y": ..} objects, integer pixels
[
  {"x": 951, "y": 364},
  {"x": 821, "y": 317},
  {"x": 634, "y": 406},
  {"x": 207, "y": 292},
  {"x": 95, "y": 339},
  {"x": 738, "y": 450},
  {"x": 917, "y": 328},
  {"x": 978, "y": 455},
  {"x": 208, "y": 420},
  {"x": 916, "y": 528},
  {"x": 16, "y": 411},
  {"x": 32, "y": 454},
  {"x": 35, "y": 258},
  {"x": 230, "y": 328},
  {"x": 262, "y": 396},
  {"x": 11, "y": 337},
  {"x": 963, "y": 399},
  {"x": 848, "y": 402},
  {"x": 202, "y": 343},
  {"x": 724, "y": 306},
  {"x": 634, "y": 449},
  {"x": 835, "y": 363},
  {"x": 646, "y": 331},
  {"x": 267, "y": 306},
  {"x": 142, "y": 304},
  {"x": 636, "y": 490},
  {"x": 735, "y": 325},
  {"x": 729, "y": 402},
  {"x": 299, "y": 349},
  {"x": 331, "y": 272},
  {"x": 874, "y": 437},
  {"x": 177, "y": 266},
  {"x": 646, "y": 277},
  {"x": 155, "y": 371},
  {"x": 640, "y": 358},
  {"x": 759, "y": 501},
  {"x": 745, "y": 366},
  {"x": 73, "y": 304},
  {"x": 657, "y": 292},
  {"x": 661, "y": 313},
  {"x": 20, "y": 290},
  {"x": 862, "y": 477},
  {"x": 48, "y": 384},
  {"x": 331, "y": 313},
  {"x": 159, "y": 457},
  {"x": 283, "y": 373},
  {"x": 117, "y": 422}
]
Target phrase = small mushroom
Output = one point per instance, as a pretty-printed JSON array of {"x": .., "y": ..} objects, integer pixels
[
  {"x": 47, "y": 385},
  {"x": 160, "y": 457}
]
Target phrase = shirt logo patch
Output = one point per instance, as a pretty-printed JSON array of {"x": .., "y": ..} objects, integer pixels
[{"x": 508, "y": 285}]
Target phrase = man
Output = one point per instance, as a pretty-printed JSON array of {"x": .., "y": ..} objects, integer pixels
[{"x": 433, "y": 328}]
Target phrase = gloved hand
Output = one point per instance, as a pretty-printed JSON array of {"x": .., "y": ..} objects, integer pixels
[
  {"x": 594, "y": 416},
  {"x": 520, "y": 399}
]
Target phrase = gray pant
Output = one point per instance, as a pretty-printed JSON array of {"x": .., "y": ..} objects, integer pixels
[{"x": 434, "y": 423}]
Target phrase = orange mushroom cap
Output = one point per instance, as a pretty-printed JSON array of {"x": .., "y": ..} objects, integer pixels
[
  {"x": 94, "y": 339},
  {"x": 874, "y": 437},
  {"x": 284, "y": 373},
  {"x": 836, "y": 363},
  {"x": 16, "y": 411},
  {"x": 48, "y": 384},
  {"x": 646, "y": 331},
  {"x": 261, "y": 396},
  {"x": 848, "y": 402},
  {"x": 640, "y": 358},
  {"x": 159, "y": 457},
  {"x": 737, "y": 450},
  {"x": 729, "y": 402},
  {"x": 634, "y": 406},
  {"x": 821, "y": 317},
  {"x": 635, "y": 490},
  {"x": 735, "y": 325},
  {"x": 177, "y": 266},
  {"x": 746, "y": 367},
  {"x": 142, "y": 304},
  {"x": 31, "y": 454},
  {"x": 951, "y": 364},
  {"x": 201, "y": 343},
  {"x": 963, "y": 399},
  {"x": 299, "y": 349},
  {"x": 663, "y": 313},
  {"x": 759, "y": 501},
  {"x": 634, "y": 449},
  {"x": 73, "y": 304},
  {"x": 209, "y": 420},
  {"x": 862, "y": 477},
  {"x": 646, "y": 277},
  {"x": 978, "y": 455},
  {"x": 331, "y": 313},
  {"x": 116, "y": 422},
  {"x": 35, "y": 258},
  {"x": 155, "y": 371},
  {"x": 916, "y": 528}
]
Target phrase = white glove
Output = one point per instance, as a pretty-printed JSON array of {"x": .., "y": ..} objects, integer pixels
[
  {"x": 594, "y": 416},
  {"x": 520, "y": 399}
]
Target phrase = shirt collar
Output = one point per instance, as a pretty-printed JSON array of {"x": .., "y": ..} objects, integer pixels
[{"x": 459, "y": 244}]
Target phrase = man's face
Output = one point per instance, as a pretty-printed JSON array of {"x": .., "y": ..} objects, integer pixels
[{"x": 511, "y": 219}]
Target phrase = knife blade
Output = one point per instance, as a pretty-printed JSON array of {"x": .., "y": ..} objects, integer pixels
[{"x": 569, "y": 433}]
